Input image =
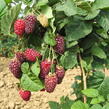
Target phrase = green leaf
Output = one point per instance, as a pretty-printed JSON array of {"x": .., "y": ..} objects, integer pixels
[
  {"x": 47, "y": 11},
  {"x": 26, "y": 1},
  {"x": 84, "y": 5},
  {"x": 96, "y": 106},
  {"x": 79, "y": 105},
  {"x": 68, "y": 60},
  {"x": 90, "y": 0},
  {"x": 66, "y": 103},
  {"x": 96, "y": 79},
  {"x": 49, "y": 39},
  {"x": 83, "y": 62},
  {"x": 108, "y": 97},
  {"x": 71, "y": 44},
  {"x": 104, "y": 87},
  {"x": 36, "y": 68},
  {"x": 97, "y": 51},
  {"x": 25, "y": 67},
  {"x": 41, "y": 3},
  {"x": 81, "y": 12},
  {"x": 88, "y": 42},
  {"x": 68, "y": 7},
  {"x": 90, "y": 92},
  {"x": 52, "y": 2},
  {"x": 88, "y": 59},
  {"x": 103, "y": 20},
  {"x": 61, "y": 22},
  {"x": 8, "y": 19},
  {"x": 92, "y": 14},
  {"x": 77, "y": 29},
  {"x": 101, "y": 4},
  {"x": 99, "y": 74},
  {"x": 3, "y": 8},
  {"x": 31, "y": 82},
  {"x": 54, "y": 105},
  {"x": 106, "y": 106},
  {"x": 102, "y": 33},
  {"x": 98, "y": 65},
  {"x": 2, "y": 5},
  {"x": 97, "y": 100},
  {"x": 8, "y": 1}
]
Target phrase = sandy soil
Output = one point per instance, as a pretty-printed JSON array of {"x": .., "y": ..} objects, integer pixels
[{"x": 10, "y": 99}]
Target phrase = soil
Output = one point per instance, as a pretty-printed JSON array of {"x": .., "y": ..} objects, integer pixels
[{"x": 10, "y": 99}]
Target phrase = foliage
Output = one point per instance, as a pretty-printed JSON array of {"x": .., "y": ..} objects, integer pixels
[
  {"x": 8, "y": 41},
  {"x": 30, "y": 80},
  {"x": 8, "y": 46}
]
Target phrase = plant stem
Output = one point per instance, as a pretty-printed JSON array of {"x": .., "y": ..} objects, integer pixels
[
  {"x": 84, "y": 77},
  {"x": 44, "y": 53},
  {"x": 50, "y": 50}
]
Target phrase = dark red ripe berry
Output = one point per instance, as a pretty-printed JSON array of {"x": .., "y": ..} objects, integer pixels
[
  {"x": 60, "y": 72},
  {"x": 42, "y": 90},
  {"x": 20, "y": 56},
  {"x": 45, "y": 68},
  {"x": 59, "y": 47},
  {"x": 25, "y": 95},
  {"x": 19, "y": 27},
  {"x": 50, "y": 83},
  {"x": 15, "y": 68},
  {"x": 30, "y": 23},
  {"x": 31, "y": 54}
]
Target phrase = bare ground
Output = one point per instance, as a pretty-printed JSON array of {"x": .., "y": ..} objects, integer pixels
[{"x": 10, "y": 99}]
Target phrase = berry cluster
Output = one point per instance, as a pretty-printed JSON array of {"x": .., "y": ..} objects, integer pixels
[
  {"x": 26, "y": 25},
  {"x": 28, "y": 55},
  {"x": 51, "y": 80},
  {"x": 49, "y": 77},
  {"x": 15, "y": 66}
]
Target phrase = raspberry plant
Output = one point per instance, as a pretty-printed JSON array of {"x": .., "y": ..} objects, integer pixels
[{"x": 67, "y": 34}]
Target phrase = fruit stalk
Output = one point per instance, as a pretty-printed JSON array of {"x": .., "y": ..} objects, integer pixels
[{"x": 83, "y": 77}]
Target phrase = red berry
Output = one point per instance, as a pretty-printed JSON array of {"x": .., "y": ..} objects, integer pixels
[
  {"x": 30, "y": 23},
  {"x": 15, "y": 68},
  {"x": 20, "y": 56},
  {"x": 59, "y": 47},
  {"x": 31, "y": 54},
  {"x": 50, "y": 83},
  {"x": 19, "y": 27},
  {"x": 60, "y": 72},
  {"x": 25, "y": 95},
  {"x": 45, "y": 68}
]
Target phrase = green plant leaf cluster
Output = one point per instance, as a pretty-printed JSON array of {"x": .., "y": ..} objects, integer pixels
[
  {"x": 30, "y": 78},
  {"x": 65, "y": 103}
]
